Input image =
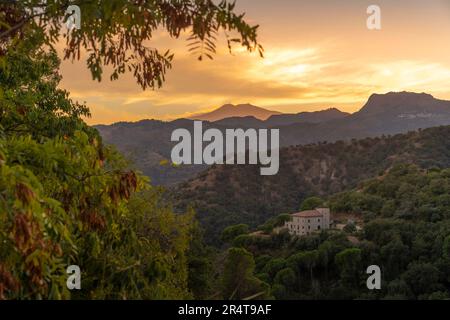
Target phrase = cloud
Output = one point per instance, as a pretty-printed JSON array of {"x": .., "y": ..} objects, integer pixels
[{"x": 310, "y": 63}]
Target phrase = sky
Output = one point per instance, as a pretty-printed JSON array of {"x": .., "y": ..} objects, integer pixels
[{"x": 318, "y": 54}]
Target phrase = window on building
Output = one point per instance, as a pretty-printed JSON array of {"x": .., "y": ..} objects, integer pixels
[{"x": 318, "y": 227}]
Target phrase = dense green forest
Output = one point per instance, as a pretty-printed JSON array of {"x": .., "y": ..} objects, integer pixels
[
  {"x": 67, "y": 199},
  {"x": 227, "y": 195},
  {"x": 406, "y": 232}
]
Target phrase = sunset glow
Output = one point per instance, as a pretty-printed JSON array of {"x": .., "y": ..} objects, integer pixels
[{"x": 319, "y": 54}]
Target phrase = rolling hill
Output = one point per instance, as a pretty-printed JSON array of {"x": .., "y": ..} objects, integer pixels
[{"x": 227, "y": 195}]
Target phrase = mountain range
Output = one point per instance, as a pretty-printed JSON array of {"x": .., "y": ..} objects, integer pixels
[{"x": 147, "y": 142}]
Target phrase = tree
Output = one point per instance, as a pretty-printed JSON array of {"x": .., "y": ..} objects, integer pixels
[
  {"x": 242, "y": 240},
  {"x": 274, "y": 222},
  {"x": 232, "y": 232},
  {"x": 350, "y": 227},
  {"x": 285, "y": 277},
  {"x": 422, "y": 278},
  {"x": 439, "y": 295},
  {"x": 279, "y": 291},
  {"x": 239, "y": 281},
  {"x": 311, "y": 203},
  {"x": 446, "y": 248},
  {"x": 65, "y": 198},
  {"x": 284, "y": 284},
  {"x": 349, "y": 261},
  {"x": 68, "y": 199},
  {"x": 200, "y": 269},
  {"x": 116, "y": 32},
  {"x": 398, "y": 289},
  {"x": 273, "y": 266},
  {"x": 304, "y": 264},
  {"x": 150, "y": 252},
  {"x": 58, "y": 182},
  {"x": 395, "y": 257}
]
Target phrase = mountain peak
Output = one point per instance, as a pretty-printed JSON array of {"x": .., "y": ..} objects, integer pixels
[
  {"x": 402, "y": 95},
  {"x": 397, "y": 101},
  {"x": 240, "y": 110},
  {"x": 235, "y": 107}
]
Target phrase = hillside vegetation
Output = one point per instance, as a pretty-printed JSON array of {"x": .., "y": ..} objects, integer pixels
[
  {"x": 406, "y": 233},
  {"x": 226, "y": 195}
]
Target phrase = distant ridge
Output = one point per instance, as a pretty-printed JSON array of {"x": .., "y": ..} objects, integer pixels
[
  {"x": 240, "y": 110},
  {"x": 148, "y": 142},
  {"x": 307, "y": 117},
  {"x": 285, "y": 119},
  {"x": 402, "y": 102}
]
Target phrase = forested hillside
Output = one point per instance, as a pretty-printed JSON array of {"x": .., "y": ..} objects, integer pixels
[
  {"x": 225, "y": 195},
  {"x": 406, "y": 232}
]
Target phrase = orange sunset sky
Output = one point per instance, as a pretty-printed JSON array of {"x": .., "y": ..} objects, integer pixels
[{"x": 319, "y": 54}]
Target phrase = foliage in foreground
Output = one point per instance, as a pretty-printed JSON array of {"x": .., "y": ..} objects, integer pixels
[{"x": 67, "y": 199}]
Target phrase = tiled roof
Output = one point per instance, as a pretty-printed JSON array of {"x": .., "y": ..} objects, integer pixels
[{"x": 308, "y": 214}]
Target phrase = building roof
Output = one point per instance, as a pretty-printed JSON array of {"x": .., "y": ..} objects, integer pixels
[{"x": 308, "y": 214}]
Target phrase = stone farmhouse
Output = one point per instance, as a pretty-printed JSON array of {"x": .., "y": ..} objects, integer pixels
[{"x": 306, "y": 222}]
